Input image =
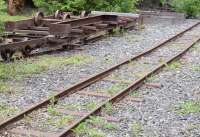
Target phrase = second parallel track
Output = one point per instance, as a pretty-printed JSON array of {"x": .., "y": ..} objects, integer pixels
[{"x": 184, "y": 40}]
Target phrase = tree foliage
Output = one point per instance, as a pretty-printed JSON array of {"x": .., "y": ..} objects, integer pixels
[
  {"x": 2, "y": 9},
  {"x": 79, "y": 5},
  {"x": 190, "y": 7}
]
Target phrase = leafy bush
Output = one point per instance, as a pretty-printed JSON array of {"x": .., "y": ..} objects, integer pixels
[
  {"x": 2, "y": 10},
  {"x": 1, "y": 29},
  {"x": 2, "y": 5},
  {"x": 190, "y": 7},
  {"x": 79, "y": 5}
]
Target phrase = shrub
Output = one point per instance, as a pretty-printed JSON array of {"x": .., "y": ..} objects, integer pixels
[
  {"x": 2, "y": 10},
  {"x": 190, "y": 7},
  {"x": 79, "y": 5},
  {"x": 2, "y": 6},
  {"x": 1, "y": 29}
]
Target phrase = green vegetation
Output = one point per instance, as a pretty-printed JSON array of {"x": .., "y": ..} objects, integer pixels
[
  {"x": 90, "y": 105},
  {"x": 60, "y": 122},
  {"x": 135, "y": 93},
  {"x": 80, "y": 5},
  {"x": 86, "y": 128},
  {"x": 136, "y": 128},
  {"x": 115, "y": 88},
  {"x": 101, "y": 123},
  {"x": 72, "y": 106},
  {"x": 5, "y": 88},
  {"x": 190, "y": 7},
  {"x": 188, "y": 107},
  {"x": 108, "y": 109},
  {"x": 6, "y": 110},
  {"x": 174, "y": 65},
  {"x": 52, "y": 111},
  {"x": 5, "y": 17},
  {"x": 20, "y": 69},
  {"x": 151, "y": 78}
]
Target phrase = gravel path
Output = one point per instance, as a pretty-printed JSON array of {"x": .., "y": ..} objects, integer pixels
[
  {"x": 106, "y": 52},
  {"x": 157, "y": 116}
]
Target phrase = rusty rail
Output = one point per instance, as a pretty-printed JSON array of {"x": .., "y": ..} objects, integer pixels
[{"x": 94, "y": 79}]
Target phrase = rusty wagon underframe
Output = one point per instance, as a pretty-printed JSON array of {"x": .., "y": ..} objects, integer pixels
[{"x": 61, "y": 30}]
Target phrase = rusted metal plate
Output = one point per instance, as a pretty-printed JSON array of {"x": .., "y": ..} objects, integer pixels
[
  {"x": 33, "y": 32},
  {"x": 60, "y": 29},
  {"x": 153, "y": 85},
  {"x": 23, "y": 24},
  {"x": 89, "y": 20},
  {"x": 116, "y": 14}
]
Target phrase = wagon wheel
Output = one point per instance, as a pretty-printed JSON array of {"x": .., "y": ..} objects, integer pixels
[
  {"x": 85, "y": 13},
  {"x": 57, "y": 14},
  {"x": 6, "y": 55},
  {"x": 66, "y": 16},
  {"x": 26, "y": 51},
  {"x": 38, "y": 18}
]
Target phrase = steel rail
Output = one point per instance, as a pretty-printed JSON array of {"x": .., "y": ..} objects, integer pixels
[
  {"x": 119, "y": 96},
  {"x": 87, "y": 82}
]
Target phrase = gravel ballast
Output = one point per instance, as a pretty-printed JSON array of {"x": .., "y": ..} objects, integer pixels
[
  {"x": 157, "y": 115},
  {"x": 105, "y": 53}
]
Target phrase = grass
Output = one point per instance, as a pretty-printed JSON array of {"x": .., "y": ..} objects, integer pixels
[
  {"x": 135, "y": 93},
  {"x": 4, "y": 16},
  {"x": 174, "y": 65},
  {"x": 28, "y": 119},
  {"x": 84, "y": 130},
  {"x": 136, "y": 128},
  {"x": 5, "y": 88},
  {"x": 87, "y": 128},
  {"x": 60, "y": 122},
  {"x": 115, "y": 88},
  {"x": 72, "y": 106},
  {"x": 21, "y": 69},
  {"x": 101, "y": 123},
  {"x": 52, "y": 111},
  {"x": 6, "y": 110},
  {"x": 188, "y": 107},
  {"x": 90, "y": 105},
  {"x": 151, "y": 78},
  {"x": 108, "y": 109}
]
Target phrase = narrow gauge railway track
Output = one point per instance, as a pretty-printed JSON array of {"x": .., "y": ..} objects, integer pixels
[{"x": 176, "y": 46}]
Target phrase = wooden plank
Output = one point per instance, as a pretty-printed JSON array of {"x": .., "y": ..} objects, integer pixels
[
  {"x": 89, "y": 28},
  {"x": 101, "y": 25},
  {"x": 32, "y": 32}
]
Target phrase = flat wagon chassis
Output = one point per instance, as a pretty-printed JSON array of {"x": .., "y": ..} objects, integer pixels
[{"x": 60, "y": 30}]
